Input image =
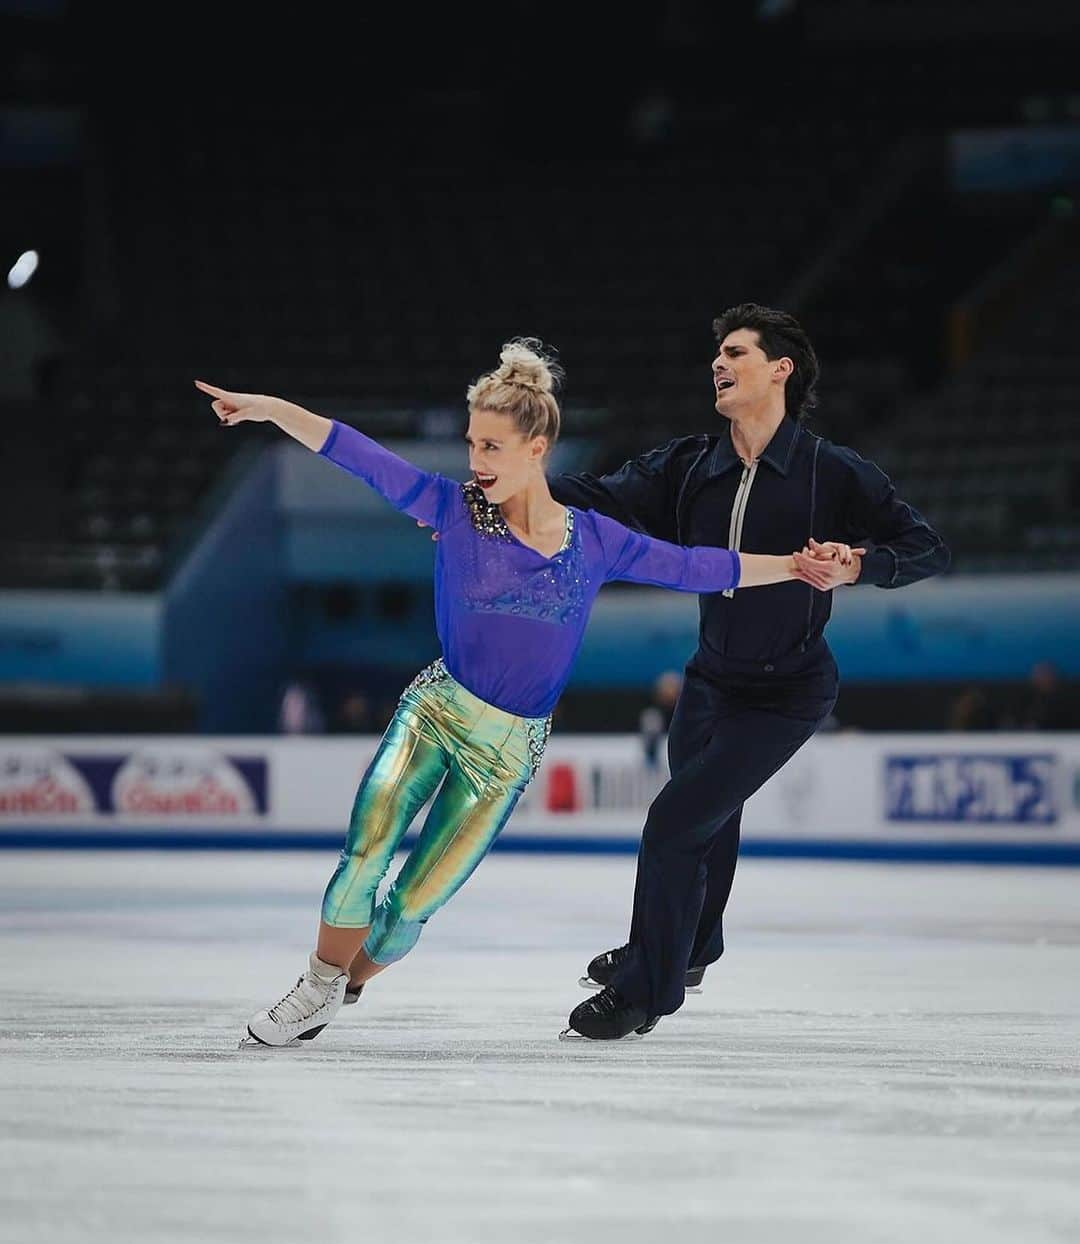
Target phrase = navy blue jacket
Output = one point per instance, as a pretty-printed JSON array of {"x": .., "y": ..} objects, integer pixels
[{"x": 696, "y": 490}]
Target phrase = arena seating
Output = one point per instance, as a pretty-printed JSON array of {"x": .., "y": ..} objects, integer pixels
[
  {"x": 378, "y": 293},
  {"x": 994, "y": 453},
  {"x": 373, "y": 271}
]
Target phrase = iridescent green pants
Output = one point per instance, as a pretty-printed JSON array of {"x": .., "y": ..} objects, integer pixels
[{"x": 484, "y": 758}]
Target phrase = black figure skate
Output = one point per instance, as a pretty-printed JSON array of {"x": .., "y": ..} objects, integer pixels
[
  {"x": 608, "y": 1017},
  {"x": 600, "y": 971}
]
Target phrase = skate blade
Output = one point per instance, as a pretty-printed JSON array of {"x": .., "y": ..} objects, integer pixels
[
  {"x": 253, "y": 1043},
  {"x": 571, "y": 1034},
  {"x": 587, "y": 982}
]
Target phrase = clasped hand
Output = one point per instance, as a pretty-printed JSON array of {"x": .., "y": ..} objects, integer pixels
[{"x": 828, "y": 565}]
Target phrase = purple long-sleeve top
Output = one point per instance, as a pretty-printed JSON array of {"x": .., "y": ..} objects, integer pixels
[{"x": 509, "y": 619}]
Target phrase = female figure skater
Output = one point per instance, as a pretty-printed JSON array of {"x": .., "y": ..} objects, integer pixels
[{"x": 515, "y": 576}]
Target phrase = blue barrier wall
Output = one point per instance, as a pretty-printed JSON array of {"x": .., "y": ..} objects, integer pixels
[
  {"x": 80, "y": 639},
  {"x": 225, "y": 623},
  {"x": 956, "y": 627}
]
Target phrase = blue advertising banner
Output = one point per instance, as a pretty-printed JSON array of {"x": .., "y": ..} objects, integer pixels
[{"x": 983, "y": 789}]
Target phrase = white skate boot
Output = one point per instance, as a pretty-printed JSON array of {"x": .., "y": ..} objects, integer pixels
[{"x": 304, "y": 1011}]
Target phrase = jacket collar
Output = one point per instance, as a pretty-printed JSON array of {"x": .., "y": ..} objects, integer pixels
[{"x": 778, "y": 453}]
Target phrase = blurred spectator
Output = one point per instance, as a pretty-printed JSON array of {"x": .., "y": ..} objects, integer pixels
[
  {"x": 970, "y": 710},
  {"x": 354, "y": 715},
  {"x": 299, "y": 711},
  {"x": 1046, "y": 705},
  {"x": 656, "y": 716}
]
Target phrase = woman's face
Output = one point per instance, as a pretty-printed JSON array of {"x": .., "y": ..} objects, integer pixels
[{"x": 503, "y": 461}]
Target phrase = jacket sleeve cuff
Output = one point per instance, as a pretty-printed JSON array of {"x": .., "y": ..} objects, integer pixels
[{"x": 878, "y": 568}]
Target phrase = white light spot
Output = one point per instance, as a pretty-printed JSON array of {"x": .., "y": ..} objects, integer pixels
[{"x": 22, "y": 269}]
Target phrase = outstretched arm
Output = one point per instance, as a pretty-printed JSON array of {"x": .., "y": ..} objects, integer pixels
[
  {"x": 427, "y": 497},
  {"x": 641, "y": 559}
]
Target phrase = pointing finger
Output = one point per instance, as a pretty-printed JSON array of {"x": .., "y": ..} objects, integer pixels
[{"x": 211, "y": 389}]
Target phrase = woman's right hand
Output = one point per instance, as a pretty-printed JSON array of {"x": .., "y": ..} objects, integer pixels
[{"x": 233, "y": 408}]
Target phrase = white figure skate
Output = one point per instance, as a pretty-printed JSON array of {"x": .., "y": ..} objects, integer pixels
[{"x": 305, "y": 1010}]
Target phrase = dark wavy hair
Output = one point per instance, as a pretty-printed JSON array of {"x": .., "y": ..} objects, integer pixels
[{"x": 781, "y": 336}]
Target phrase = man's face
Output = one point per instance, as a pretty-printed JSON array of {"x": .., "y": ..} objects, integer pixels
[{"x": 744, "y": 379}]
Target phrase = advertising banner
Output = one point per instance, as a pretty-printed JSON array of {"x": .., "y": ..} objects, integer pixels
[
  {"x": 592, "y": 792},
  {"x": 150, "y": 782}
]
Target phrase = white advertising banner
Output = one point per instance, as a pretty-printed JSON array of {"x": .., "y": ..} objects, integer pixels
[{"x": 592, "y": 790}]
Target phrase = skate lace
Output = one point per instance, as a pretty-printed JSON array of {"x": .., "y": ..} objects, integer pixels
[
  {"x": 606, "y": 1002},
  {"x": 301, "y": 1002}
]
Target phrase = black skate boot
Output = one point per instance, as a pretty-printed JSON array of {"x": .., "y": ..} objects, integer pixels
[
  {"x": 600, "y": 971},
  {"x": 608, "y": 1017}
]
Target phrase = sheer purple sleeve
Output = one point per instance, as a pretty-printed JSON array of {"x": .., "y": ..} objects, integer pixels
[
  {"x": 638, "y": 558},
  {"x": 427, "y": 497}
]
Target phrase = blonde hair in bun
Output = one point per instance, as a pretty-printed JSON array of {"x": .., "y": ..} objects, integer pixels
[{"x": 522, "y": 386}]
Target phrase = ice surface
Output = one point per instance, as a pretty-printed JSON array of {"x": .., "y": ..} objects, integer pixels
[{"x": 886, "y": 1053}]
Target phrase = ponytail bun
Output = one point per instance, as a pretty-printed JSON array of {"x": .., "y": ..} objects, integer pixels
[
  {"x": 522, "y": 363},
  {"x": 522, "y": 386}
]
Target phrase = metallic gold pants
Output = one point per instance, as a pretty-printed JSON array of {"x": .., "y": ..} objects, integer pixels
[{"x": 484, "y": 758}]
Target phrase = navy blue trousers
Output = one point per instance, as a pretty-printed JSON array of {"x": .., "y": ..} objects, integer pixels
[{"x": 725, "y": 741}]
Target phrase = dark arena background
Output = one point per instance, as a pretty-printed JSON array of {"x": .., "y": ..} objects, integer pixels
[{"x": 204, "y": 630}]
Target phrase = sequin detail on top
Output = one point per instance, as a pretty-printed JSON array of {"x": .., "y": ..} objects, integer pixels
[
  {"x": 554, "y": 592},
  {"x": 488, "y": 519},
  {"x": 485, "y": 517},
  {"x": 569, "y": 537},
  {"x": 433, "y": 673},
  {"x": 538, "y": 731}
]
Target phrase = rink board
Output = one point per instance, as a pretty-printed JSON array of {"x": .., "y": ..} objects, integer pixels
[{"x": 943, "y": 796}]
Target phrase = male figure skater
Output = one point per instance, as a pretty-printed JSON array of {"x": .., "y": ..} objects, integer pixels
[{"x": 763, "y": 678}]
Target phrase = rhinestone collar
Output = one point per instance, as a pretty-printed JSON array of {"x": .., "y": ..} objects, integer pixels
[{"x": 488, "y": 519}]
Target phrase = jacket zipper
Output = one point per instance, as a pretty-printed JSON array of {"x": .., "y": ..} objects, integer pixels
[{"x": 738, "y": 509}]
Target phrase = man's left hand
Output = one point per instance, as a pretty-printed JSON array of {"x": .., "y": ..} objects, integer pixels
[{"x": 828, "y": 565}]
